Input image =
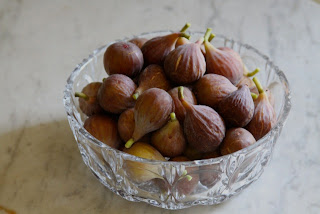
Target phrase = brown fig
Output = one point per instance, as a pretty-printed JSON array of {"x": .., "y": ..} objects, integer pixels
[
  {"x": 155, "y": 50},
  {"x": 182, "y": 41},
  {"x": 88, "y": 101},
  {"x": 151, "y": 112},
  {"x": 203, "y": 49},
  {"x": 185, "y": 64},
  {"x": 212, "y": 88},
  {"x": 152, "y": 76},
  {"x": 142, "y": 172},
  {"x": 115, "y": 94},
  {"x": 237, "y": 109},
  {"x": 123, "y": 58},
  {"x": 179, "y": 159},
  {"x": 104, "y": 128},
  {"x": 203, "y": 126},
  {"x": 179, "y": 109},
  {"x": 246, "y": 80},
  {"x": 126, "y": 126},
  {"x": 235, "y": 140},
  {"x": 138, "y": 41},
  {"x": 169, "y": 140},
  {"x": 210, "y": 174},
  {"x": 223, "y": 61},
  {"x": 264, "y": 117},
  {"x": 192, "y": 153}
]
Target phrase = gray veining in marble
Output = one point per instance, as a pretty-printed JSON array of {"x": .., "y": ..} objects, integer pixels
[{"x": 41, "y": 170}]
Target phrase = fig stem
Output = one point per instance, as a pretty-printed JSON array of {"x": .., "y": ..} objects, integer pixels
[
  {"x": 251, "y": 74},
  {"x": 104, "y": 79},
  {"x": 185, "y": 27},
  {"x": 135, "y": 95},
  {"x": 207, "y": 34},
  {"x": 81, "y": 95},
  {"x": 180, "y": 93},
  {"x": 212, "y": 35},
  {"x": 173, "y": 117},
  {"x": 129, "y": 143},
  {"x": 187, "y": 36},
  {"x": 189, "y": 177},
  {"x": 185, "y": 172},
  {"x": 258, "y": 84},
  {"x": 254, "y": 96}
]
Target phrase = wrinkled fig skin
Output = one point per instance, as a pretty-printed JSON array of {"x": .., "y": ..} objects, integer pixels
[
  {"x": 212, "y": 88},
  {"x": 90, "y": 106},
  {"x": 123, "y": 58},
  {"x": 169, "y": 140},
  {"x": 264, "y": 117},
  {"x": 192, "y": 153},
  {"x": 155, "y": 50},
  {"x": 185, "y": 64},
  {"x": 104, "y": 128},
  {"x": 115, "y": 94},
  {"x": 210, "y": 174},
  {"x": 142, "y": 172},
  {"x": 237, "y": 109},
  {"x": 182, "y": 41},
  {"x": 151, "y": 111},
  {"x": 235, "y": 140},
  {"x": 152, "y": 76},
  {"x": 248, "y": 81},
  {"x": 224, "y": 61},
  {"x": 138, "y": 41},
  {"x": 179, "y": 109},
  {"x": 270, "y": 98}
]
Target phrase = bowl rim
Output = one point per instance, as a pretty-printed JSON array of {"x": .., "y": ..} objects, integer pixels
[{"x": 284, "y": 111}]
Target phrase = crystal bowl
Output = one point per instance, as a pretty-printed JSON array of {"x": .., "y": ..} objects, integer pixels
[{"x": 213, "y": 180}]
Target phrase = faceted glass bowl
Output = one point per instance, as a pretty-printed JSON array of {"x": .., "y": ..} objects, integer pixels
[{"x": 165, "y": 184}]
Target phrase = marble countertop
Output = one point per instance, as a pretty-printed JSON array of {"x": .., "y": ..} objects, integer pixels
[{"x": 41, "y": 170}]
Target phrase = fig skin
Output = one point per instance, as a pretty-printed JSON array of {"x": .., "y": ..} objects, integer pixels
[
  {"x": 192, "y": 153},
  {"x": 179, "y": 159},
  {"x": 209, "y": 174},
  {"x": 185, "y": 64},
  {"x": 212, "y": 88},
  {"x": 182, "y": 41},
  {"x": 142, "y": 172},
  {"x": 152, "y": 76},
  {"x": 204, "y": 127},
  {"x": 151, "y": 112},
  {"x": 88, "y": 101},
  {"x": 246, "y": 80},
  {"x": 104, "y": 128},
  {"x": 237, "y": 109},
  {"x": 138, "y": 41},
  {"x": 179, "y": 109},
  {"x": 264, "y": 117},
  {"x": 235, "y": 140},
  {"x": 123, "y": 58},
  {"x": 169, "y": 140},
  {"x": 115, "y": 93},
  {"x": 126, "y": 126}
]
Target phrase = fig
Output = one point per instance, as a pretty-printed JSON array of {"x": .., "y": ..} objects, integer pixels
[
  {"x": 210, "y": 174},
  {"x": 88, "y": 101},
  {"x": 138, "y": 41},
  {"x": 185, "y": 64},
  {"x": 152, "y": 76},
  {"x": 169, "y": 140},
  {"x": 264, "y": 117},
  {"x": 155, "y": 50},
  {"x": 142, "y": 172},
  {"x": 126, "y": 126},
  {"x": 104, "y": 128},
  {"x": 192, "y": 153},
  {"x": 248, "y": 81},
  {"x": 235, "y": 140},
  {"x": 115, "y": 93},
  {"x": 212, "y": 88},
  {"x": 182, "y": 41},
  {"x": 179, "y": 109},
  {"x": 179, "y": 159},
  {"x": 223, "y": 61},
  {"x": 151, "y": 112},
  {"x": 237, "y": 109},
  {"x": 204, "y": 127},
  {"x": 123, "y": 58}
]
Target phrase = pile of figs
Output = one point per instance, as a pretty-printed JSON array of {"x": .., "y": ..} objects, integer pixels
[{"x": 171, "y": 99}]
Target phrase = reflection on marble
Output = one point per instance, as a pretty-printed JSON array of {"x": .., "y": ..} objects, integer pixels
[{"x": 41, "y": 170}]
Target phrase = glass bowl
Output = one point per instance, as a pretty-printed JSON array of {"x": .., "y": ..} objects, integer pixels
[{"x": 166, "y": 184}]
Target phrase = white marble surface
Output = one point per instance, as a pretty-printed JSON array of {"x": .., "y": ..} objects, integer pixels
[{"x": 41, "y": 170}]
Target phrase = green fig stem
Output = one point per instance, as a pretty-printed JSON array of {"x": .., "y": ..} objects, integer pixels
[
  {"x": 207, "y": 34},
  {"x": 129, "y": 143},
  {"x": 211, "y": 37},
  {"x": 104, "y": 79},
  {"x": 180, "y": 93},
  {"x": 258, "y": 85},
  {"x": 187, "y": 36},
  {"x": 173, "y": 117},
  {"x": 185, "y": 172},
  {"x": 254, "y": 96},
  {"x": 81, "y": 95},
  {"x": 185, "y": 27},
  {"x": 135, "y": 95},
  {"x": 189, "y": 177},
  {"x": 251, "y": 74}
]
